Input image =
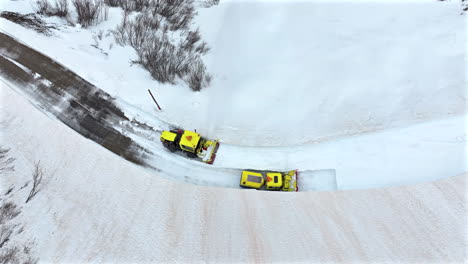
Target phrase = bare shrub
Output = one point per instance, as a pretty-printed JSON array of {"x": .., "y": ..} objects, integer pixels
[
  {"x": 8, "y": 211},
  {"x": 61, "y": 8},
  {"x": 10, "y": 256},
  {"x": 163, "y": 57},
  {"x": 6, "y": 162},
  {"x": 114, "y": 3},
  {"x": 58, "y": 8},
  {"x": 142, "y": 29},
  {"x": 198, "y": 78},
  {"x": 90, "y": 12},
  {"x": 192, "y": 42},
  {"x": 136, "y": 5},
  {"x": 177, "y": 12},
  {"x": 14, "y": 255},
  {"x": 29, "y": 21},
  {"x": 42, "y": 7},
  {"x": 37, "y": 175},
  {"x": 209, "y": 3},
  {"x": 156, "y": 57},
  {"x": 5, "y": 234},
  {"x": 31, "y": 260}
]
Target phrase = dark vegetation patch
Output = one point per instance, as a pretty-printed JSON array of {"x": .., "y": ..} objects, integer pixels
[
  {"x": 166, "y": 45},
  {"x": 89, "y": 12},
  {"x": 209, "y": 3},
  {"x": 29, "y": 21},
  {"x": 58, "y": 8},
  {"x": 160, "y": 32},
  {"x": 11, "y": 251}
]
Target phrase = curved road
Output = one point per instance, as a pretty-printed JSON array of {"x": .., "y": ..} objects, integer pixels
[{"x": 360, "y": 162}]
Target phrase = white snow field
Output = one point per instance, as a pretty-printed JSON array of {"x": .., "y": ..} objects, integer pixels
[
  {"x": 288, "y": 72},
  {"x": 96, "y": 208},
  {"x": 357, "y": 95},
  {"x": 296, "y": 72},
  {"x": 389, "y": 74}
]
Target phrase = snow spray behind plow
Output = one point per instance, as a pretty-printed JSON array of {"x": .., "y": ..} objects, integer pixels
[{"x": 317, "y": 180}]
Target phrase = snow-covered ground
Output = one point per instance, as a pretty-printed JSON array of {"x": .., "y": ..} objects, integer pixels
[
  {"x": 94, "y": 207},
  {"x": 372, "y": 93},
  {"x": 297, "y": 72},
  {"x": 288, "y": 73},
  {"x": 389, "y": 74}
]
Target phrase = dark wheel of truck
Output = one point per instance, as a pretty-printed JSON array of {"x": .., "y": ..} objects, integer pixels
[
  {"x": 191, "y": 155},
  {"x": 170, "y": 146}
]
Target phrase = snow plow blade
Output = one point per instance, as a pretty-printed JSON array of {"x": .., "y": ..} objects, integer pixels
[
  {"x": 290, "y": 181},
  {"x": 210, "y": 147}
]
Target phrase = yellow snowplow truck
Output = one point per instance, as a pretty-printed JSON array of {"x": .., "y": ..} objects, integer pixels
[
  {"x": 269, "y": 180},
  {"x": 190, "y": 143}
]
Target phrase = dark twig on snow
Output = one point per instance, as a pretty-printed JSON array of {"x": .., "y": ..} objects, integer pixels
[
  {"x": 28, "y": 20},
  {"x": 37, "y": 175},
  {"x": 6, "y": 163}
]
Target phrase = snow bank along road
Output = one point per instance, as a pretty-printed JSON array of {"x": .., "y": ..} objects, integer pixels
[
  {"x": 423, "y": 152},
  {"x": 97, "y": 209}
]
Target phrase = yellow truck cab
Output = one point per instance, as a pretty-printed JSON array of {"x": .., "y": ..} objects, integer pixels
[
  {"x": 184, "y": 140},
  {"x": 191, "y": 143},
  {"x": 274, "y": 181}
]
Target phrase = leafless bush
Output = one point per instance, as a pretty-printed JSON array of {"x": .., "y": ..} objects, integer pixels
[
  {"x": 61, "y": 8},
  {"x": 198, "y": 78},
  {"x": 157, "y": 57},
  {"x": 143, "y": 28},
  {"x": 8, "y": 211},
  {"x": 165, "y": 59},
  {"x": 42, "y": 7},
  {"x": 10, "y": 256},
  {"x": 29, "y": 21},
  {"x": 5, "y": 233},
  {"x": 138, "y": 5},
  {"x": 209, "y": 3},
  {"x": 114, "y": 3},
  {"x": 8, "y": 229},
  {"x": 58, "y": 8},
  {"x": 130, "y": 5},
  {"x": 192, "y": 42},
  {"x": 6, "y": 162},
  {"x": 37, "y": 175},
  {"x": 90, "y": 12},
  {"x": 30, "y": 260},
  {"x": 14, "y": 255},
  {"x": 178, "y": 13}
]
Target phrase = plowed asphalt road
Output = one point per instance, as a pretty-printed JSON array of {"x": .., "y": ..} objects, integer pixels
[{"x": 73, "y": 100}]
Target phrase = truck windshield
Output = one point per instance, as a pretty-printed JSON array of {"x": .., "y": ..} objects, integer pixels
[{"x": 256, "y": 179}]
